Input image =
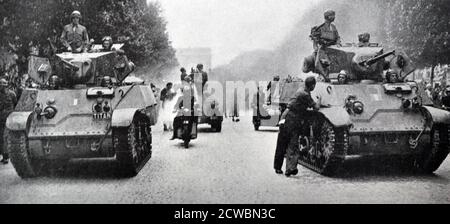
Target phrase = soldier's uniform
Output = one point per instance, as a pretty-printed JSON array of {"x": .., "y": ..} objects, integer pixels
[
  {"x": 75, "y": 36},
  {"x": 293, "y": 126},
  {"x": 7, "y": 102},
  {"x": 188, "y": 99},
  {"x": 324, "y": 36},
  {"x": 364, "y": 40}
]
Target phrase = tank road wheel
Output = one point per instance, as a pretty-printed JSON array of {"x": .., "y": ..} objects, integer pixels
[
  {"x": 325, "y": 152},
  {"x": 17, "y": 146},
  {"x": 432, "y": 157},
  {"x": 133, "y": 146}
]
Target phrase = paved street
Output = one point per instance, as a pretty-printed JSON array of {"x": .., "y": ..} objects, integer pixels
[{"x": 232, "y": 167}]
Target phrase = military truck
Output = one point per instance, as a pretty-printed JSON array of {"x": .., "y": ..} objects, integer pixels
[
  {"x": 210, "y": 112},
  {"x": 365, "y": 114},
  {"x": 87, "y": 114},
  {"x": 267, "y": 111}
]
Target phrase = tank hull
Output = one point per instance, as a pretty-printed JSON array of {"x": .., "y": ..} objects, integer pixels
[
  {"x": 83, "y": 126},
  {"x": 385, "y": 126}
]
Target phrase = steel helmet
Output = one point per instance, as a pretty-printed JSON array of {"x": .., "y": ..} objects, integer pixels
[
  {"x": 75, "y": 14},
  {"x": 107, "y": 38},
  {"x": 310, "y": 82},
  {"x": 329, "y": 13}
]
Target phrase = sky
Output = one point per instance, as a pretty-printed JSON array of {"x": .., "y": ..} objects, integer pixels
[{"x": 230, "y": 27}]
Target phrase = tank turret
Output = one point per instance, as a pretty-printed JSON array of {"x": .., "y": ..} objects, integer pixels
[
  {"x": 87, "y": 69},
  {"x": 361, "y": 63}
]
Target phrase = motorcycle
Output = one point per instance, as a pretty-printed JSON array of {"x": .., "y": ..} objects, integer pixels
[{"x": 188, "y": 128}]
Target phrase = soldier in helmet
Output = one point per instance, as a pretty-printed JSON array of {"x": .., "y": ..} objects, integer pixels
[
  {"x": 204, "y": 75},
  {"x": 54, "y": 82},
  {"x": 392, "y": 76},
  {"x": 187, "y": 100},
  {"x": 75, "y": 36},
  {"x": 324, "y": 36},
  {"x": 342, "y": 77},
  {"x": 183, "y": 74},
  {"x": 7, "y": 102},
  {"x": 293, "y": 120},
  {"x": 364, "y": 40},
  {"x": 107, "y": 44},
  {"x": 106, "y": 81}
]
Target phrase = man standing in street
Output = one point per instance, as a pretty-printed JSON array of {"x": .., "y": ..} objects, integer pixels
[
  {"x": 291, "y": 123},
  {"x": 75, "y": 36},
  {"x": 204, "y": 75},
  {"x": 167, "y": 95},
  {"x": 7, "y": 102},
  {"x": 183, "y": 74}
]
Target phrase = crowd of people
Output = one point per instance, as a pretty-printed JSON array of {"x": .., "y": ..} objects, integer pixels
[{"x": 439, "y": 95}]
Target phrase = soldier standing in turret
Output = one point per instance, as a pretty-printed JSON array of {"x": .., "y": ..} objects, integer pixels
[
  {"x": 364, "y": 40},
  {"x": 7, "y": 102},
  {"x": 75, "y": 36},
  {"x": 324, "y": 36}
]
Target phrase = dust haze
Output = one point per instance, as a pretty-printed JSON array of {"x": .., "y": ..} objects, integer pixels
[
  {"x": 233, "y": 26},
  {"x": 353, "y": 18}
]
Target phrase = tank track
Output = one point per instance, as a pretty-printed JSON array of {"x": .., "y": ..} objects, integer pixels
[
  {"x": 133, "y": 146},
  {"x": 339, "y": 142},
  {"x": 431, "y": 159},
  {"x": 17, "y": 146}
]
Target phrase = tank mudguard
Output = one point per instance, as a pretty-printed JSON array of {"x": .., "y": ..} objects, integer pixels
[
  {"x": 18, "y": 121},
  {"x": 438, "y": 116},
  {"x": 338, "y": 116},
  {"x": 122, "y": 118}
]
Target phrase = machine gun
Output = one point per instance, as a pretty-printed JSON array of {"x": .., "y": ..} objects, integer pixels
[{"x": 370, "y": 62}]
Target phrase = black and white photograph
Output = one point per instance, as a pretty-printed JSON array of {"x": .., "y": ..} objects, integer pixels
[{"x": 224, "y": 102}]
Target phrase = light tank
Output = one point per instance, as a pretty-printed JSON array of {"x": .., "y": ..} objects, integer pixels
[
  {"x": 86, "y": 114},
  {"x": 364, "y": 113}
]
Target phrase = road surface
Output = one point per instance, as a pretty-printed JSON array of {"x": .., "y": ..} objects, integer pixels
[{"x": 232, "y": 167}]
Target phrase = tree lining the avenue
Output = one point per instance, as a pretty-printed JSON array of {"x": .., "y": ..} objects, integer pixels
[
  {"x": 419, "y": 27},
  {"x": 139, "y": 25}
]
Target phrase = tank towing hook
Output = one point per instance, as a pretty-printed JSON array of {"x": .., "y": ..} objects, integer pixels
[{"x": 413, "y": 143}]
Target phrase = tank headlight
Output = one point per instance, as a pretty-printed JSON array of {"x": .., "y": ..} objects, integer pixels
[
  {"x": 358, "y": 107},
  {"x": 106, "y": 108},
  {"x": 98, "y": 108},
  {"x": 50, "y": 112},
  {"x": 406, "y": 103}
]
